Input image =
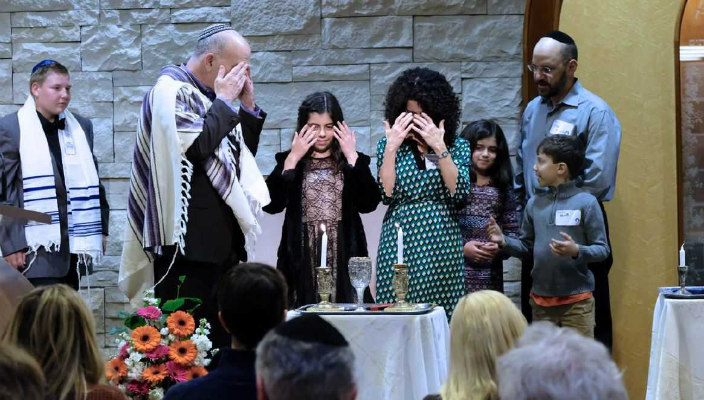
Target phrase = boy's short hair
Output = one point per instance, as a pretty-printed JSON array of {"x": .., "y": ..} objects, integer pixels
[
  {"x": 564, "y": 149},
  {"x": 43, "y": 69},
  {"x": 252, "y": 300}
]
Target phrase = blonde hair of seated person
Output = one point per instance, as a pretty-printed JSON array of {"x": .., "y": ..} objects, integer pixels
[
  {"x": 53, "y": 324},
  {"x": 20, "y": 375},
  {"x": 485, "y": 325}
]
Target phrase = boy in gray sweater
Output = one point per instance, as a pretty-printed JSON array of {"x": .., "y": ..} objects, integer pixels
[{"x": 565, "y": 230}]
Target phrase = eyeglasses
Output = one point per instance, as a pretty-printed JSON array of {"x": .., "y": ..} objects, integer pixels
[
  {"x": 541, "y": 69},
  {"x": 43, "y": 63}
]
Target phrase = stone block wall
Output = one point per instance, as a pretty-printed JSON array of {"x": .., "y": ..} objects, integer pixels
[{"x": 115, "y": 48}]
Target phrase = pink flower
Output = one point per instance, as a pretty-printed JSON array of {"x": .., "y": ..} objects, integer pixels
[
  {"x": 123, "y": 351},
  {"x": 138, "y": 388},
  {"x": 176, "y": 372},
  {"x": 151, "y": 313},
  {"x": 160, "y": 352}
]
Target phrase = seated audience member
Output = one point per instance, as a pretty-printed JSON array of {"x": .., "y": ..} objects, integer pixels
[
  {"x": 305, "y": 358},
  {"x": 551, "y": 363},
  {"x": 53, "y": 324},
  {"x": 13, "y": 285},
  {"x": 251, "y": 301},
  {"x": 20, "y": 375},
  {"x": 485, "y": 325}
]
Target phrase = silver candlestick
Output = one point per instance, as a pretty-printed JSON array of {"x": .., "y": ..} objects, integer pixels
[{"x": 682, "y": 275}]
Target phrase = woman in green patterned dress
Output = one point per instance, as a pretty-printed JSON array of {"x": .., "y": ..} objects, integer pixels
[{"x": 424, "y": 179}]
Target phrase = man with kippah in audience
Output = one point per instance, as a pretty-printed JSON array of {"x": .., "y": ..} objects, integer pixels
[
  {"x": 252, "y": 301},
  {"x": 305, "y": 358}
]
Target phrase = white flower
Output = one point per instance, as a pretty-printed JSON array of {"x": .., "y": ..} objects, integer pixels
[
  {"x": 134, "y": 372},
  {"x": 164, "y": 331},
  {"x": 156, "y": 394},
  {"x": 202, "y": 343},
  {"x": 134, "y": 357}
]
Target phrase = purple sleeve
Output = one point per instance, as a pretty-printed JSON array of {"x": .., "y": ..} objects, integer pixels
[{"x": 254, "y": 113}]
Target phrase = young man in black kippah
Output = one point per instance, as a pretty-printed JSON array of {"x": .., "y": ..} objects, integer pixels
[
  {"x": 564, "y": 107},
  {"x": 305, "y": 358},
  {"x": 252, "y": 301},
  {"x": 49, "y": 167}
]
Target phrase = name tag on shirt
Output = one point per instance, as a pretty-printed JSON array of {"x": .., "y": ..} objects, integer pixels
[
  {"x": 69, "y": 144},
  {"x": 431, "y": 161},
  {"x": 560, "y": 127},
  {"x": 568, "y": 217}
]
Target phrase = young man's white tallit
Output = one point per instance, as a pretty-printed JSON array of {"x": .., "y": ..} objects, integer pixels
[
  {"x": 160, "y": 183},
  {"x": 39, "y": 187}
]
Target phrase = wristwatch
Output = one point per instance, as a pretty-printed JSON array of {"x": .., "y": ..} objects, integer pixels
[{"x": 443, "y": 154}]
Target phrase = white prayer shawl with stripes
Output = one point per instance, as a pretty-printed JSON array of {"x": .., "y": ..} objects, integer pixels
[
  {"x": 160, "y": 184},
  {"x": 39, "y": 187}
]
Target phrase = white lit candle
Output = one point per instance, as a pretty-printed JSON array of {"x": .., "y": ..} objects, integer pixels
[
  {"x": 682, "y": 255},
  {"x": 399, "y": 244},
  {"x": 324, "y": 247}
]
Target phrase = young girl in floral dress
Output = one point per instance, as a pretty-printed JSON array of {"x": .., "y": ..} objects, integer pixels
[{"x": 491, "y": 195}]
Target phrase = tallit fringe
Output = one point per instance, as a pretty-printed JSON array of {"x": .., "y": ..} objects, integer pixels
[{"x": 186, "y": 175}]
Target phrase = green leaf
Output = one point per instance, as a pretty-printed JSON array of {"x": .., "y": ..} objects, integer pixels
[
  {"x": 190, "y": 310},
  {"x": 193, "y": 299},
  {"x": 116, "y": 331},
  {"x": 173, "y": 305},
  {"x": 135, "y": 321}
]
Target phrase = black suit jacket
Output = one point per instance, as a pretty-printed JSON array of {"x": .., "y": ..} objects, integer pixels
[
  {"x": 12, "y": 238},
  {"x": 234, "y": 378},
  {"x": 212, "y": 232}
]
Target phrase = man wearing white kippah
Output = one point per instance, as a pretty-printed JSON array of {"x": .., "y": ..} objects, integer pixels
[
  {"x": 49, "y": 167},
  {"x": 195, "y": 192}
]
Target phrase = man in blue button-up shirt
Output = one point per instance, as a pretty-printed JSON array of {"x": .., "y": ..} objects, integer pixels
[{"x": 564, "y": 107}]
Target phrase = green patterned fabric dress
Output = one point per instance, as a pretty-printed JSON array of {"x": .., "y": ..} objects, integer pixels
[{"x": 432, "y": 242}]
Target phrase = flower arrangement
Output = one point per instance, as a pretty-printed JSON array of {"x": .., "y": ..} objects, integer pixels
[{"x": 159, "y": 347}]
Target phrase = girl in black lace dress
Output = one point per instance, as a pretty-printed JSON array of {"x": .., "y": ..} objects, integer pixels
[{"x": 321, "y": 181}]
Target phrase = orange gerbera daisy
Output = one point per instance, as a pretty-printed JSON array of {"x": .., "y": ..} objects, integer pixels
[
  {"x": 196, "y": 372},
  {"x": 146, "y": 338},
  {"x": 116, "y": 369},
  {"x": 183, "y": 352},
  {"x": 155, "y": 373},
  {"x": 181, "y": 323}
]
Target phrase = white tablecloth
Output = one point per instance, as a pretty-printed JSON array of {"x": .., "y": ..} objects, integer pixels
[
  {"x": 676, "y": 369},
  {"x": 397, "y": 356}
]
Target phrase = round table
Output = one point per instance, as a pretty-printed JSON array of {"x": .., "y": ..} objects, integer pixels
[
  {"x": 396, "y": 356},
  {"x": 676, "y": 351}
]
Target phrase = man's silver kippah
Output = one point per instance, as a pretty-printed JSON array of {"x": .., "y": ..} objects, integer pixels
[{"x": 213, "y": 29}]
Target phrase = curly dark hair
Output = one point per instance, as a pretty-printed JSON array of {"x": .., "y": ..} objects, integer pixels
[{"x": 434, "y": 94}]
